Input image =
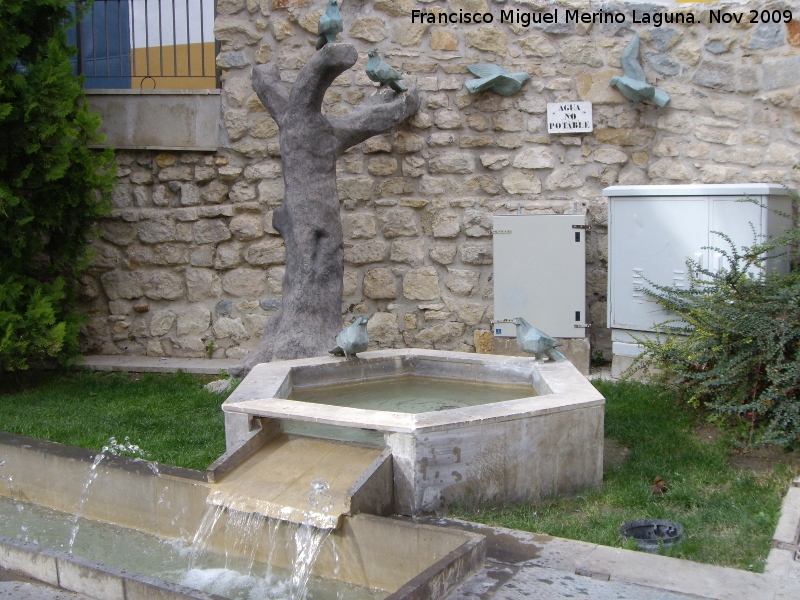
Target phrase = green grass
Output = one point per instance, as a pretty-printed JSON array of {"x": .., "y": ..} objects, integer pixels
[
  {"x": 171, "y": 417},
  {"x": 729, "y": 515}
]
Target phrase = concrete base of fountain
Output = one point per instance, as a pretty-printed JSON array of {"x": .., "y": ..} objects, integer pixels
[{"x": 547, "y": 443}]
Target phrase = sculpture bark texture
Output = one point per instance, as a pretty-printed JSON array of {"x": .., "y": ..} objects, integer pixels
[{"x": 310, "y": 315}]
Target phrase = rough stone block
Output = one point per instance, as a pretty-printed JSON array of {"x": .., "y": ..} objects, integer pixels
[
  {"x": 244, "y": 281},
  {"x": 379, "y": 284},
  {"x": 163, "y": 285},
  {"x": 121, "y": 285},
  {"x": 370, "y": 29},
  {"x": 202, "y": 284},
  {"x": 538, "y": 157},
  {"x": 266, "y": 252},
  {"x": 489, "y": 38},
  {"x": 445, "y": 224},
  {"x": 398, "y": 222},
  {"x": 452, "y": 162},
  {"x": 209, "y": 231},
  {"x": 462, "y": 281},
  {"x": 421, "y": 284},
  {"x": 195, "y": 320},
  {"x": 360, "y": 226},
  {"x": 715, "y": 75},
  {"x": 520, "y": 182},
  {"x": 362, "y": 253},
  {"x": 227, "y": 328},
  {"x": 411, "y": 252},
  {"x": 476, "y": 254}
]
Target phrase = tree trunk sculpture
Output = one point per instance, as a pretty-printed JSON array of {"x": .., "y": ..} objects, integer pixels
[{"x": 310, "y": 315}]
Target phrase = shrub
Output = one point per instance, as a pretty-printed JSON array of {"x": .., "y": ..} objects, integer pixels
[
  {"x": 734, "y": 347},
  {"x": 52, "y": 185}
]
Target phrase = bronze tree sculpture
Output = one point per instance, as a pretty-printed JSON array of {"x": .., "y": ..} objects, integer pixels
[{"x": 308, "y": 219}]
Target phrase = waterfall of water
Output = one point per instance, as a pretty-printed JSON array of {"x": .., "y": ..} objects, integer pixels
[
  {"x": 112, "y": 448},
  {"x": 243, "y": 533},
  {"x": 308, "y": 540}
]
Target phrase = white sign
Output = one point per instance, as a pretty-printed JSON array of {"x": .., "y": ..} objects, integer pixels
[{"x": 569, "y": 117}]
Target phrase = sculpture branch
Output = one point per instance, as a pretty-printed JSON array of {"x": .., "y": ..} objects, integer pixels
[
  {"x": 270, "y": 90},
  {"x": 385, "y": 110},
  {"x": 318, "y": 74}
]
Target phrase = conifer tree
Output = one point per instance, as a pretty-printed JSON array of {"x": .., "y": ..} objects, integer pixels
[{"x": 52, "y": 184}]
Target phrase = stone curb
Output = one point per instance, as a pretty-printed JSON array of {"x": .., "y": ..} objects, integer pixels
[
  {"x": 88, "y": 577},
  {"x": 145, "y": 364},
  {"x": 784, "y": 558}
]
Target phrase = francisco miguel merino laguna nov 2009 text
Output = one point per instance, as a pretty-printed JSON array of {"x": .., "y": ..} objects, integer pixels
[{"x": 657, "y": 19}]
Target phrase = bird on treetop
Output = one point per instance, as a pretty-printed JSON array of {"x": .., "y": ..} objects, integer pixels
[
  {"x": 330, "y": 24},
  {"x": 378, "y": 70}
]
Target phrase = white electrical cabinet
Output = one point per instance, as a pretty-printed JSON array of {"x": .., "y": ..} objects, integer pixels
[
  {"x": 540, "y": 273},
  {"x": 653, "y": 229}
]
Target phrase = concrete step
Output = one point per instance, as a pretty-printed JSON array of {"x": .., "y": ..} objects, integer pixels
[{"x": 150, "y": 364}]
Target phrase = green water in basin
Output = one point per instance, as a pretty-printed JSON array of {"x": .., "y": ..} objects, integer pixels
[{"x": 411, "y": 394}]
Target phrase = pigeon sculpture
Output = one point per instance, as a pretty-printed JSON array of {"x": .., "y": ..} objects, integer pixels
[
  {"x": 496, "y": 79},
  {"x": 330, "y": 24},
  {"x": 538, "y": 343},
  {"x": 352, "y": 339},
  {"x": 633, "y": 85},
  {"x": 378, "y": 70}
]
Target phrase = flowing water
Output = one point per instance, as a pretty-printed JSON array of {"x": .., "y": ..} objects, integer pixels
[
  {"x": 411, "y": 394},
  {"x": 112, "y": 448},
  {"x": 232, "y": 571},
  {"x": 225, "y": 573}
]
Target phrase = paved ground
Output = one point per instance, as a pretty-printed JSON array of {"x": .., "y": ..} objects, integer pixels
[{"x": 525, "y": 565}]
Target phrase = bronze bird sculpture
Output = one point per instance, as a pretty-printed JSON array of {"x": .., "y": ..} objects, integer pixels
[{"x": 352, "y": 339}]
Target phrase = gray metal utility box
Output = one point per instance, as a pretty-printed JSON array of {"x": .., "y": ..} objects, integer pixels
[
  {"x": 654, "y": 229},
  {"x": 540, "y": 273}
]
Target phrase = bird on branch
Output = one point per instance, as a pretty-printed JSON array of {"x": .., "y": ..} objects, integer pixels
[
  {"x": 352, "y": 339},
  {"x": 536, "y": 342},
  {"x": 330, "y": 24},
  {"x": 378, "y": 70}
]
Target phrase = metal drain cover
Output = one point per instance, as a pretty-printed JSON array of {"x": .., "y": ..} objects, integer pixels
[{"x": 651, "y": 534}]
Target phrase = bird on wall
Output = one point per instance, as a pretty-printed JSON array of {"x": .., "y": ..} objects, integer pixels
[
  {"x": 378, "y": 70},
  {"x": 496, "y": 79},
  {"x": 633, "y": 85},
  {"x": 536, "y": 342},
  {"x": 330, "y": 24},
  {"x": 352, "y": 340}
]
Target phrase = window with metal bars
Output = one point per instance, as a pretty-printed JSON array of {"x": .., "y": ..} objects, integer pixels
[{"x": 147, "y": 44}]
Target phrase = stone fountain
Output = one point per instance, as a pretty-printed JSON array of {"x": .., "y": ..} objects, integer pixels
[{"x": 547, "y": 440}]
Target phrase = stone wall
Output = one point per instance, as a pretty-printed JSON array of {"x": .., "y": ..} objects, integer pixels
[{"x": 188, "y": 263}]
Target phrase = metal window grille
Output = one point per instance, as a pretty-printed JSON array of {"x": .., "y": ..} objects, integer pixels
[{"x": 148, "y": 44}]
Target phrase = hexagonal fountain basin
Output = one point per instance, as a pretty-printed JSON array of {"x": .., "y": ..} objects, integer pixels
[{"x": 548, "y": 442}]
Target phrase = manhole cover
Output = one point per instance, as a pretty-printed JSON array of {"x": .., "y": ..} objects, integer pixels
[{"x": 651, "y": 534}]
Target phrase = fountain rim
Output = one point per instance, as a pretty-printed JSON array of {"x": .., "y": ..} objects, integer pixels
[{"x": 559, "y": 385}]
